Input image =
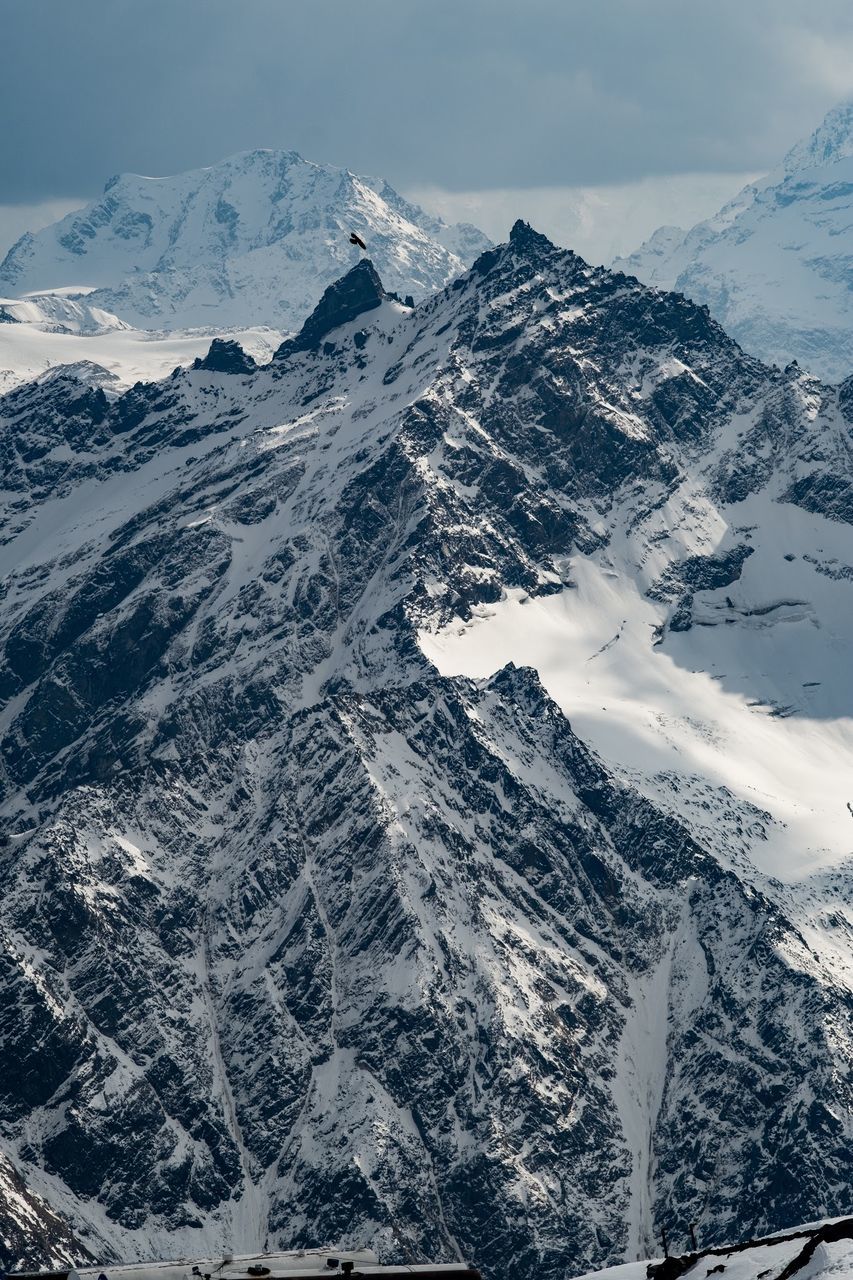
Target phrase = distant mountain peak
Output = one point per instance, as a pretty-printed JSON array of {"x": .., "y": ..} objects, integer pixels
[
  {"x": 239, "y": 161},
  {"x": 251, "y": 240},
  {"x": 773, "y": 265},
  {"x": 831, "y": 141}
]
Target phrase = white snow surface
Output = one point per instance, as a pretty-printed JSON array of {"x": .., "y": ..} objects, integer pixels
[
  {"x": 50, "y": 331},
  {"x": 116, "y": 354},
  {"x": 763, "y": 1259},
  {"x": 701, "y": 704}
]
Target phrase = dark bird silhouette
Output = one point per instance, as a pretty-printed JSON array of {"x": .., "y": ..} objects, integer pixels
[{"x": 354, "y": 239}]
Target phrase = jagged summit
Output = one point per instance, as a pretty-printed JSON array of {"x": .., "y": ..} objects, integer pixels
[
  {"x": 523, "y": 236},
  {"x": 527, "y": 249},
  {"x": 359, "y": 291},
  {"x": 251, "y": 240},
  {"x": 226, "y": 356}
]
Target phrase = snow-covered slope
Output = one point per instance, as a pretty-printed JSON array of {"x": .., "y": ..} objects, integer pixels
[
  {"x": 426, "y": 766},
  {"x": 775, "y": 266},
  {"x": 815, "y": 1252},
  {"x": 61, "y": 311},
  {"x": 252, "y": 240}
]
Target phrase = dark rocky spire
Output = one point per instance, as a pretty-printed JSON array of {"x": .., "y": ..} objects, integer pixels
[
  {"x": 522, "y": 236},
  {"x": 360, "y": 290},
  {"x": 226, "y": 356}
]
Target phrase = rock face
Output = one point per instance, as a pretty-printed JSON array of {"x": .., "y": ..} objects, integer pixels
[
  {"x": 774, "y": 265},
  {"x": 381, "y": 862},
  {"x": 358, "y": 292},
  {"x": 225, "y": 356},
  {"x": 252, "y": 240}
]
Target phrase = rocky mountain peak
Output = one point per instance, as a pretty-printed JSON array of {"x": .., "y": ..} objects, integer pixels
[
  {"x": 226, "y": 356},
  {"x": 523, "y": 237},
  {"x": 525, "y": 253},
  {"x": 357, "y": 292}
]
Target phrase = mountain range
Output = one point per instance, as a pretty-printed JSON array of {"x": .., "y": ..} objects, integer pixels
[
  {"x": 775, "y": 265},
  {"x": 425, "y": 773}
]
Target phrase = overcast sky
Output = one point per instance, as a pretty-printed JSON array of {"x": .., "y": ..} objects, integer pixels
[{"x": 455, "y": 95}]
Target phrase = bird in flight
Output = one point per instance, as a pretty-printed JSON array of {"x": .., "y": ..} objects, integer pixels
[{"x": 354, "y": 239}]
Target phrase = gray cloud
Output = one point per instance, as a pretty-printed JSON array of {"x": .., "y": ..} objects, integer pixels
[
  {"x": 463, "y": 94},
  {"x": 600, "y": 223}
]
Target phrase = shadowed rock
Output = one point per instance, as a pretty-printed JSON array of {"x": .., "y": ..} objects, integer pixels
[
  {"x": 226, "y": 356},
  {"x": 360, "y": 290}
]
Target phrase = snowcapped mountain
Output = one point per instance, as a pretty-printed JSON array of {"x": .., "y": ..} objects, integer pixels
[
  {"x": 252, "y": 240},
  {"x": 775, "y": 265},
  {"x": 426, "y": 782}
]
